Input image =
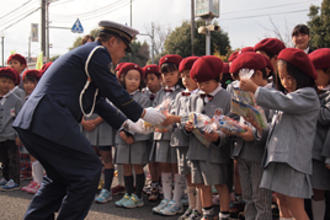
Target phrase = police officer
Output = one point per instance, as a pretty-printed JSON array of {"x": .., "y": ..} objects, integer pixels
[{"x": 76, "y": 84}]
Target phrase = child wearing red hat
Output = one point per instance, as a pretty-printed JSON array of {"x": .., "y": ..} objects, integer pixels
[
  {"x": 249, "y": 152},
  {"x": 132, "y": 149},
  {"x": 161, "y": 151},
  {"x": 210, "y": 165},
  {"x": 321, "y": 150},
  {"x": 30, "y": 80},
  {"x": 10, "y": 105},
  {"x": 153, "y": 81},
  {"x": 288, "y": 163},
  {"x": 17, "y": 62},
  {"x": 180, "y": 139}
]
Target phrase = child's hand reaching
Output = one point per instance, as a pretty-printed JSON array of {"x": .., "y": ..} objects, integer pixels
[
  {"x": 189, "y": 126},
  {"x": 128, "y": 139},
  {"x": 248, "y": 85},
  {"x": 211, "y": 137}
]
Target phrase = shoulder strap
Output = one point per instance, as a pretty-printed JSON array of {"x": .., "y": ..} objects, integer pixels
[{"x": 88, "y": 81}]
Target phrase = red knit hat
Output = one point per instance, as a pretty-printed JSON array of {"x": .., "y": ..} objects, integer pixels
[
  {"x": 32, "y": 74},
  {"x": 130, "y": 66},
  {"x": 248, "y": 60},
  {"x": 187, "y": 63},
  {"x": 10, "y": 73},
  {"x": 119, "y": 65},
  {"x": 44, "y": 68},
  {"x": 152, "y": 68},
  {"x": 170, "y": 58},
  {"x": 271, "y": 46},
  {"x": 320, "y": 58},
  {"x": 246, "y": 49},
  {"x": 234, "y": 55},
  {"x": 206, "y": 68},
  {"x": 18, "y": 57},
  {"x": 299, "y": 59},
  {"x": 225, "y": 68}
]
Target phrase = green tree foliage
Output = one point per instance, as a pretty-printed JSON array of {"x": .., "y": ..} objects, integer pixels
[
  {"x": 139, "y": 54},
  {"x": 319, "y": 25},
  {"x": 179, "y": 41}
]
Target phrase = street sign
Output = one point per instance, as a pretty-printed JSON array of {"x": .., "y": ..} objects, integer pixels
[
  {"x": 77, "y": 27},
  {"x": 207, "y": 8},
  {"x": 34, "y": 32}
]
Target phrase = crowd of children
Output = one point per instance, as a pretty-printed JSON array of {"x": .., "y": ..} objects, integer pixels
[{"x": 282, "y": 164}]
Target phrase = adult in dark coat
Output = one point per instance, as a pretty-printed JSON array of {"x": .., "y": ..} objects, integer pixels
[{"x": 48, "y": 124}]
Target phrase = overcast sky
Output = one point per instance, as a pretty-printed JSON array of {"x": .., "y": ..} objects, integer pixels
[{"x": 245, "y": 21}]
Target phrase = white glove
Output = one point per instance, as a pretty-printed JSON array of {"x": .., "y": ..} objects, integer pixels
[
  {"x": 153, "y": 116},
  {"x": 136, "y": 127}
]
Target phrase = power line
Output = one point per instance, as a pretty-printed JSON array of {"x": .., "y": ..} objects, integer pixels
[
  {"x": 268, "y": 7},
  {"x": 99, "y": 11},
  {"x": 14, "y": 10},
  {"x": 20, "y": 19},
  {"x": 263, "y": 15}
]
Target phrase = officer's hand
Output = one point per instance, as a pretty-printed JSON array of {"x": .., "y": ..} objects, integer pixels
[{"x": 153, "y": 116}]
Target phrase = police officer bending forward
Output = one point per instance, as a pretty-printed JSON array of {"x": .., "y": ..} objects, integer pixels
[{"x": 48, "y": 124}]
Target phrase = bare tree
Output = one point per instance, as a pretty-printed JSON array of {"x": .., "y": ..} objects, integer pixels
[{"x": 276, "y": 32}]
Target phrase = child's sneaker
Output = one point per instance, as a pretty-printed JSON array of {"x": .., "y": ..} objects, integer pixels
[
  {"x": 3, "y": 181},
  {"x": 32, "y": 187},
  {"x": 116, "y": 190},
  {"x": 195, "y": 215},
  {"x": 133, "y": 202},
  {"x": 104, "y": 196},
  {"x": 10, "y": 186},
  {"x": 186, "y": 214},
  {"x": 120, "y": 202},
  {"x": 161, "y": 205},
  {"x": 172, "y": 208},
  {"x": 154, "y": 192}
]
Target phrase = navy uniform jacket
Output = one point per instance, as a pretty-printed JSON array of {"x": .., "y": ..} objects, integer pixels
[{"x": 53, "y": 110}]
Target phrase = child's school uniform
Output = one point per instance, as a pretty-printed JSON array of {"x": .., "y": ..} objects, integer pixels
[
  {"x": 321, "y": 175},
  {"x": 102, "y": 135},
  {"x": 249, "y": 155},
  {"x": 10, "y": 105},
  {"x": 20, "y": 93},
  {"x": 161, "y": 150},
  {"x": 209, "y": 165},
  {"x": 179, "y": 137},
  {"x": 136, "y": 153},
  {"x": 288, "y": 162}
]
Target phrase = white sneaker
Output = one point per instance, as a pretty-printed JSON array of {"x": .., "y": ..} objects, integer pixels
[
  {"x": 161, "y": 205},
  {"x": 3, "y": 181},
  {"x": 172, "y": 208}
]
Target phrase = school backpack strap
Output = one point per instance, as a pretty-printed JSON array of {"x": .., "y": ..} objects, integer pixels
[{"x": 88, "y": 81}]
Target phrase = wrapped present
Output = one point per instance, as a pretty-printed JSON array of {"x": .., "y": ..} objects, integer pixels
[{"x": 164, "y": 108}]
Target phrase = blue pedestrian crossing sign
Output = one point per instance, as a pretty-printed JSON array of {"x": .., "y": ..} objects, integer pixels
[{"x": 77, "y": 27}]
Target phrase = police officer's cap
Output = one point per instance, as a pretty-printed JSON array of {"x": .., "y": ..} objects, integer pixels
[{"x": 125, "y": 33}]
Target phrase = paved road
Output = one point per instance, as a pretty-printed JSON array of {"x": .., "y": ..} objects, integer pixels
[{"x": 14, "y": 204}]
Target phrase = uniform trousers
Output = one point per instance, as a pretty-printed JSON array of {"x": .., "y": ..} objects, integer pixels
[
  {"x": 71, "y": 181},
  {"x": 258, "y": 201}
]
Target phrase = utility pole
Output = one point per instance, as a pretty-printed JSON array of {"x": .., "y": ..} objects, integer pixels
[
  {"x": 192, "y": 30},
  {"x": 3, "y": 49},
  {"x": 43, "y": 26},
  {"x": 47, "y": 30},
  {"x": 152, "y": 43},
  {"x": 131, "y": 22}
]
